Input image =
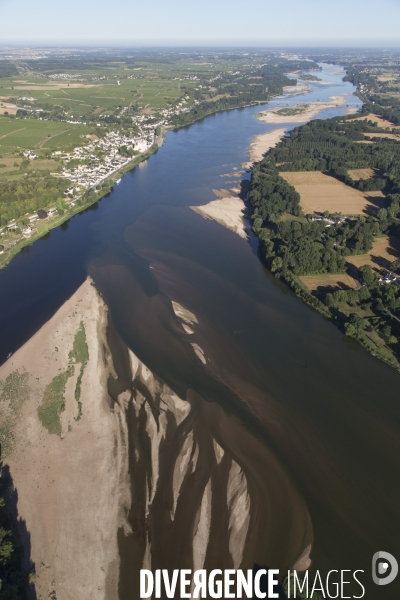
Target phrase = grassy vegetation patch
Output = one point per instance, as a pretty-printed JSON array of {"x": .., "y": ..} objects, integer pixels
[
  {"x": 79, "y": 354},
  {"x": 53, "y": 403},
  {"x": 14, "y": 391},
  {"x": 292, "y": 110}
]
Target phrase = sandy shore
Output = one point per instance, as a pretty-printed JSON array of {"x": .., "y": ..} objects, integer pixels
[
  {"x": 300, "y": 88},
  {"x": 262, "y": 143},
  {"x": 228, "y": 211},
  {"x": 310, "y": 111},
  {"x": 69, "y": 486}
]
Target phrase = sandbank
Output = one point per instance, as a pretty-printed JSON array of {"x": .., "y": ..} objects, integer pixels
[
  {"x": 229, "y": 212},
  {"x": 262, "y": 143},
  {"x": 309, "y": 111},
  {"x": 69, "y": 486}
]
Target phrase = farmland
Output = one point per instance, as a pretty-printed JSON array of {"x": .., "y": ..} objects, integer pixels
[
  {"x": 17, "y": 135},
  {"x": 329, "y": 282},
  {"x": 358, "y": 174},
  {"x": 379, "y": 121},
  {"x": 326, "y": 209},
  {"x": 383, "y": 252},
  {"x": 320, "y": 192}
]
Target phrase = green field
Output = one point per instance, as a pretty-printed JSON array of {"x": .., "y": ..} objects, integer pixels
[{"x": 18, "y": 134}]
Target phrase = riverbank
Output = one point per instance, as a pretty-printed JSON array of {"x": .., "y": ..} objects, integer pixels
[
  {"x": 45, "y": 226},
  {"x": 262, "y": 143},
  {"x": 229, "y": 210},
  {"x": 361, "y": 310}
]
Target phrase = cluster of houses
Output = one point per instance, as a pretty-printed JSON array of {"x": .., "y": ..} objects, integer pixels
[
  {"x": 30, "y": 154},
  {"x": 85, "y": 176},
  {"x": 389, "y": 277},
  {"x": 64, "y": 76},
  {"x": 328, "y": 220}
]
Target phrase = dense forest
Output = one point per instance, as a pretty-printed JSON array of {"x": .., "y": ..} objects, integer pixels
[{"x": 294, "y": 244}]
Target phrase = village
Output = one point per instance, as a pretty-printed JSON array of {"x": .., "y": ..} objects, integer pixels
[
  {"x": 92, "y": 163},
  {"x": 117, "y": 150},
  {"x": 88, "y": 166}
]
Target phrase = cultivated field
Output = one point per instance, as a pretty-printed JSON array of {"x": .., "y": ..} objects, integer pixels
[
  {"x": 390, "y": 136},
  {"x": 358, "y": 174},
  {"x": 392, "y": 77},
  {"x": 32, "y": 133},
  {"x": 152, "y": 88},
  {"x": 332, "y": 281},
  {"x": 384, "y": 251},
  {"x": 376, "y": 119},
  {"x": 319, "y": 192}
]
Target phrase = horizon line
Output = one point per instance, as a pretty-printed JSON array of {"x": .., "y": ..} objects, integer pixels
[{"x": 299, "y": 44}]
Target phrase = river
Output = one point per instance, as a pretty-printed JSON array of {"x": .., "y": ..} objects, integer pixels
[{"x": 311, "y": 418}]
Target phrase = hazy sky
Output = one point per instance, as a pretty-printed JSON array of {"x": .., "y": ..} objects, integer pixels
[{"x": 208, "y": 22}]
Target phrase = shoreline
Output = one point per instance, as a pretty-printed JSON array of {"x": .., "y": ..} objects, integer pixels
[
  {"x": 5, "y": 259},
  {"x": 229, "y": 209}
]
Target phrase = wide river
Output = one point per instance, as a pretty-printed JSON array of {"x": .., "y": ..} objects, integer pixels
[{"x": 325, "y": 411}]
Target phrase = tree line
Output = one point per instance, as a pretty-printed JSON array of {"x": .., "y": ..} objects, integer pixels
[{"x": 294, "y": 244}]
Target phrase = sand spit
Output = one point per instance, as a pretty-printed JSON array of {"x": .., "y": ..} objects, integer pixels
[
  {"x": 309, "y": 112},
  {"x": 70, "y": 487},
  {"x": 228, "y": 212},
  {"x": 262, "y": 143}
]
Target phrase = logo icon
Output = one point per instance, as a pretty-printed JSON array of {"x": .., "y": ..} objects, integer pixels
[{"x": 384, "y": 568}]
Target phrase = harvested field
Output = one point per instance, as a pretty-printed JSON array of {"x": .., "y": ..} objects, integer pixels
[
  {"x": 327, "y": 281},
  {"x": 390, "y": 136},
  {"x": 387, "y": 78},
  {"x": 376, "y": 119},
  {"x": 319, "y": 192},
  {"x": 10, "y": 109},
  {"x": 9, "y": 165},
  {"x": 358, "y": 174},
  {"x": 384, "y": 251}
]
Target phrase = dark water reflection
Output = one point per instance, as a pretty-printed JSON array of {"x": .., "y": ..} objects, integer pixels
[{"x": 327, "y": 411}]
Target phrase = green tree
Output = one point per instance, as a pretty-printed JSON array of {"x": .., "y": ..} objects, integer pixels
[
  {"x": 367, "y": 275},
  {"x": 329, "y": 300},
  {"x": 277, "y": 264}
]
